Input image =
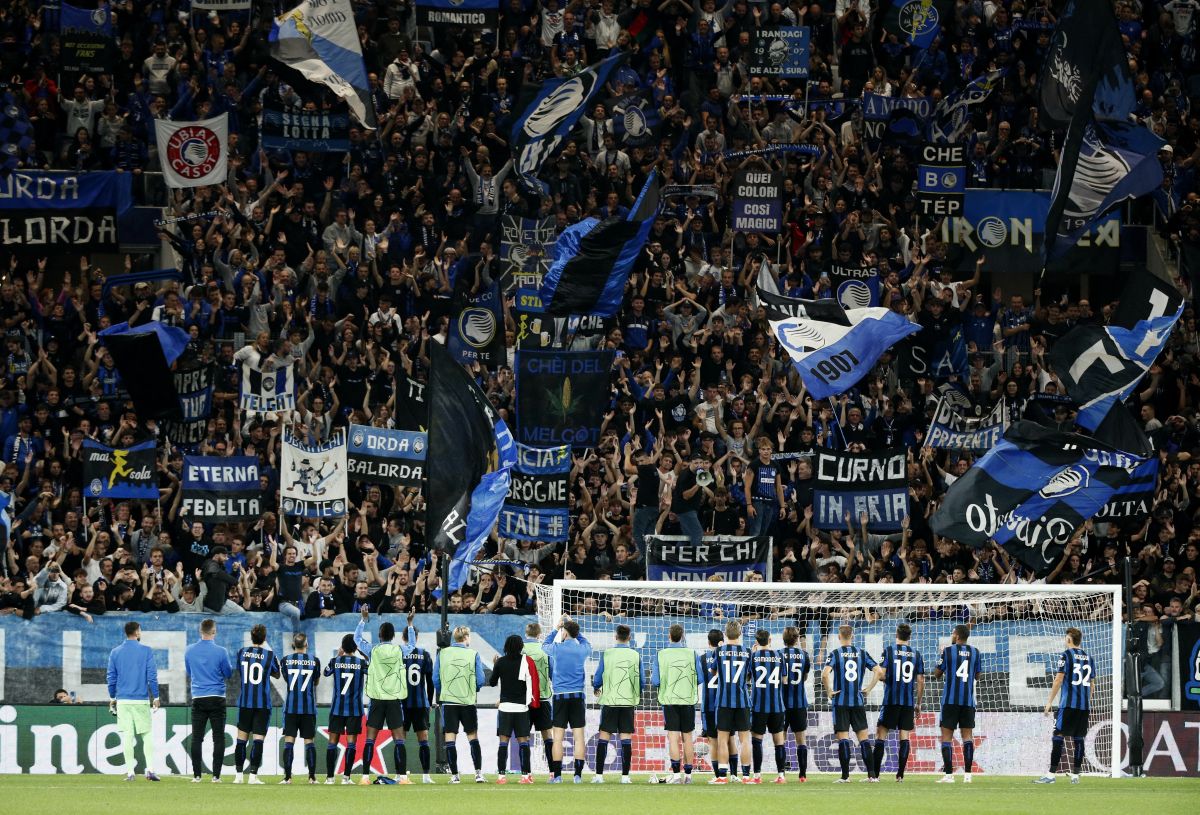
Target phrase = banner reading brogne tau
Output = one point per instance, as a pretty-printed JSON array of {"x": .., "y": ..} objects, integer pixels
[
  {"x": 855, "y": 483},
  {"x": 313, "y": 478}
]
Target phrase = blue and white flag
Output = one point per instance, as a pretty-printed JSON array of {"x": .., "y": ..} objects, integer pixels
[
  {"x": 380, "y": 456},
  {"x": 948, "y": 124},
  {"x": 914, "y": 22},
  {"x": 548, "y": 117},
  {"x": 487, "y": 500},
  {"x": 319, "y": 39},
  {"x": 1134, "y": 500},
  {"x": 1032, "y": 491},
  {"x": 221, "y": 489},
  {"x": 270, "y": 391},
  {"x": 536, "y": 508},
  {"x": 313, "y": 477},
  {"x": 636, "y": 120},
  {"x": 831, "y": 357},
  {"x": 6, "y": 517}
]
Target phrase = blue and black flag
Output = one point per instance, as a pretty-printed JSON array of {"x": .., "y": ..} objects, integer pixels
[
  {"x": 16, "y": 133},
  {"x": 593, "y": 259},
  {"x": 144, "y": 356},
  {"x": 1031, "y": 492},
  {"x": 467, "y": 466}
]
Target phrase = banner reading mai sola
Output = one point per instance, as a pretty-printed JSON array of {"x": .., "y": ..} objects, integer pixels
[
  {"x": 854, "y": 483},
  {"x": 313, "y": 479},
  {"x": 112, "y": 472},
  {"x": 221, "y": 489}
]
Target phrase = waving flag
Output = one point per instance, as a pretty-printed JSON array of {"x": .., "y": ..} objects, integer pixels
[
  {"x": 193, "y": 154},
  {"x": 949, "y": 120},
  {"x": 593, "y": 259},
  {"x": 556, "y": 105},
  {"x": 914, "y": 22},
  {"x": 319, "y": 39},
  {"x": 1086, "y": 68},
  {"x": 143, "y": 357},
  {"x": 832, "y": 357},
  {"x": 636, "y": 120},
  {"x": 1031, "y": 492},
  {"x": 16, "y": 133}
]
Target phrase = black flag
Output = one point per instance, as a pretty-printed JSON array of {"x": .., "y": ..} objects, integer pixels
[{"x": 143, "y": 356}]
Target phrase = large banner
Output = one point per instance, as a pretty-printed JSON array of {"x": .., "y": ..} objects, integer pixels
[
  {"x": 562, "y": 396},
  {"x": 732, "y": 559},
  {"x": 113, "y": 472},
  {"x": 221, "y": 489},
  {"x": 855, "y": 286},
  {"x": 526, "y": 250},
  {"x": 54, "y": 213},
  {"x": 854, "y": 483},
  {"x": 86, "y": 39},
  {"x": 477, "y": 332},
  {"x": 381, "y": 456},
  {"x": 536, "y": 508},
  {"x": 321, "y": 131},
  {"x": 877, "y": 110},
  {"x": 411, "y": 411},
  {"x": 758, "y": 199},
  {"x": 313, "y": 477},
  {"x": 194, "y": 387},
  {"x": 1133, "y": 501},
  {"x": 465, "y": 13},
  {"x": 781, "y": 52},
  {"x": 272, "y": 391},
  {"x": 942, "y": 179}
]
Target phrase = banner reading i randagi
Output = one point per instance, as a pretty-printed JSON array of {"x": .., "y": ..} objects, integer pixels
[
  {"x": 854, "y": 483},
  {"x": 381, "y": 456},
  {"x": 221, "y": 489},
  {"x": 313, "y": 477}
]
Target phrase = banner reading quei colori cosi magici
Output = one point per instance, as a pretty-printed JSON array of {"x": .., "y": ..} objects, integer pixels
[{"x": 221, "y": 489}]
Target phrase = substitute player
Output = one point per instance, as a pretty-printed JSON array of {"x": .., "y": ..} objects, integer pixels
[
  {"x": 1074, "y": 679},
  {"x": 457, "y": 677},
  {"x": 959, "y": 664},
  {"x": 845, "y": 667},
  {"x": 618, "y": 683},
  {"x": 349, "y": 673},
  {"x": 418, "y": 670},
  {"x": 903, "y": 674},
  {"x": 301, "y": 672},
  {"x": 767, "y": 705},
  {"x": 676, "y": 673},
  {"x": 208, "y": 666},
  {"x": 540, "y": 717},
  {"x": 796, "y": 666},
  {"x": 568, "y": 653},
  {"x": 132, "y": 692},
  {"x": 733, "y": 701},
  {"x": 386, "y": 686},
  {"x": 256, "y": 665}
]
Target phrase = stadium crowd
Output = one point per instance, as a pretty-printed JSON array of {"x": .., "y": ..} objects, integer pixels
[{"x": 350, "y": 257}]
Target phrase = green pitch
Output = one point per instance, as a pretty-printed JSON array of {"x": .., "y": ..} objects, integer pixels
[{"x": 64, "y": 793}]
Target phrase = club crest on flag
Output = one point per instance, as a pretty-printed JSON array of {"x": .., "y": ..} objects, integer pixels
[
  {"x": 854, "y": 294},
  {"x": 918, "y": 19},
  {"x": 477, "y": 326},
  {"x": 193, "y": 153},
  {"x": 1068, "y": 481},
  {"x": 801, "y": 336}
]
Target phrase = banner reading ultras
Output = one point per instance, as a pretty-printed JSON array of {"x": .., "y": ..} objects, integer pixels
[
  {"x": 855, "y": 483},
  {"x": 381, "y": 456},
  {"x": 221, "y": 489}
]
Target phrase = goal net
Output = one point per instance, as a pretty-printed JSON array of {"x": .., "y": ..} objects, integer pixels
[{"x": 1019, "y": 630}]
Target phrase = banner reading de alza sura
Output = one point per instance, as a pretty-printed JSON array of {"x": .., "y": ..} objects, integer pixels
[
  {"x": 855, "y": 483},
  {"x": 221, "y": 489},
  {"x": 114, "y": 472}
]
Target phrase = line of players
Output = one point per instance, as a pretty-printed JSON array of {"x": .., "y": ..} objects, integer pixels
[{"x": 743, "y": 692}]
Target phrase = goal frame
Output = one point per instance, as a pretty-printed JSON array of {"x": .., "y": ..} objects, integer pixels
[{"x": 885, "y": 589}]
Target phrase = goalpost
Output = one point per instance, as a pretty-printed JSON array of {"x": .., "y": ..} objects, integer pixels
[{"x": 1019, "y": 630}]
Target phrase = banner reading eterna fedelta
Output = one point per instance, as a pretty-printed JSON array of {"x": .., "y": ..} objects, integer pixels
[
  {"x": 758, "y": 199},
  {"x": 221, "y": 489},
  {"x": 854, "y": 483},
  {"x": 732, "y": 559},
  {"x": 536, "y": 508},
  {"x": 465, "y": 13},
  {"x": 53, "y": 213},
  {"x": 381, "y": 456},
  {"x": 113, "y": 472}
]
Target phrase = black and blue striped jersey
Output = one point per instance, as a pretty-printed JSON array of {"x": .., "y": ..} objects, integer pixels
[
  {"x": 796, "y": 665},
  {"x": 848, "y": 664},
  {"x": 959, "y": 664},
  {"x": 256, "y": 664},
  {"x": 301, "y": 672},
  {"x": 767, "y": 692},
  {"x": 902, "y": 665},
  {"x": 1077, "y": 671},
  {"x": 349, "y": 679}
]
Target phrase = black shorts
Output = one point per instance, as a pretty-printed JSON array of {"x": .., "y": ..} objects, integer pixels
[
  {"x": 350, "y": 725},
  {"x": 709, "y": 724},
  {"x": 679, "y": 718},
  {"x": 616, "y": 719},
  {"x": 385, "y": 714},
  {"x": 512, "y": 724},
  {"x": 796, "y": 718},
  {"x": 254, "y": 720},
  {"x": 1071, "y": 722},
  {"x": 897, "y": 717},
  {"x": 733, "y": 719},
  {"x": 849, "y": 719},
  {"x": 304, "y": 724},
  {"x": 416, "y": 719},
  {"x": 540, "y": 717},
  {"x": 570, "y": 712},
  {"x": 763, "y": 722},
  {"x": 456, "y": 716},
  {"x": 955, "y": 717}
]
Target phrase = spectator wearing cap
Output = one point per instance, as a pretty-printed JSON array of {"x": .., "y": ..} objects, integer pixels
[{"x": 218, "y": 582}]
